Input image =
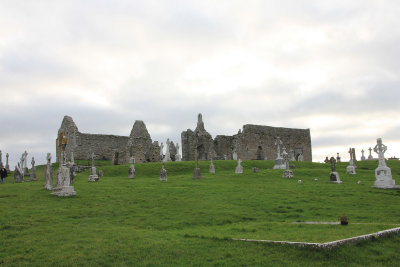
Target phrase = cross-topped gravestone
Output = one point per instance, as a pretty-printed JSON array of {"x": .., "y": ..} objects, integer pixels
[
  {"x": 383, "y": 173},
  {"x": 93, "y": 177},
  {"x": 334, "y": 176},
  {"x": 287, "y": 173},
  {"x": 279, "y": 162},
  {"x": 7, "y": 165},
  {"x": 351, "y": 168},
  {"x": 33, "y": 174},
  {"x": 370, "y": 157},
  {"x": 337, "y": 157},
  {"x": 362, "y": 155}
]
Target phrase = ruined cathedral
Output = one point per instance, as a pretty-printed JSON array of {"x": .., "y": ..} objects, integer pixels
[{"x": 252, "y": 143}]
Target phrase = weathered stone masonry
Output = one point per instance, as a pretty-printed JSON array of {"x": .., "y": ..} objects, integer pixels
[
  {"x": 253, "y": 142},
  {"x": 105, "y": 146}
]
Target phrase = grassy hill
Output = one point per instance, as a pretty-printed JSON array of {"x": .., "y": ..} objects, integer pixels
[{"x": 185, "y": 222}]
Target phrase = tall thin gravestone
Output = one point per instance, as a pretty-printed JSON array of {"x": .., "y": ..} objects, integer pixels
[
  {"x": 351, "y": 169},
  {"x": 334, "y": 176},
  {"x": 93, "y": 177},
  {"x": 362, "y": 155},
  {"x": 383, "y": 173},
  {"x": 7, "y": 165},
  {"x": 18, "y": 174},
  {"x": 239, "y": 168},
  {"x": 163, "y": 173},
  {"x": 161, "y": 152},
  {"x": 196, "y": 171},
  {"x": 167, "y": 154},
  {"x": 337, "y": 157},
  {"x": 370, "y": 157},
  {"x": 279, "y": 162},
  {"x": 33, "y": 174},
  {"x": 48, "y": 174},
  {"x": 132, "y": 171},
  {"x": 287, "y": 173},
  {"x": 178, "y": 156}
]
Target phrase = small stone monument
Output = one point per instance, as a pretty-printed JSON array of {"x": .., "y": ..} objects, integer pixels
[
  {"x": 326, "y": 160},
  {"x": 72, "y": 158},
  {"x": 362, "y": 155},
  {"x": 239, "y": 168},
  {"x": 292, "y": 157},
  {"x": 48, "y": 174},
  {"x": 234, "y": 155},
  {"x": 279, "y": 162},
  {"x": 300, "y": 157},
  {"x": 24, "y": 164},
  {"x": 93, "y": 177},
  {"x": 370, "y": 157},
  {"x": 7, "y": 165},
  {"x": 63, "y": 187},
  {"x": 18, "y": 174},
  {"x": 100, "y": 173},
  {"x": 178, "y": 156},
  {"x": 334, "y": 176},
  {"x": 337, "y": 157},
  {"x": 161, "y": 152},
  {"x": 383, "y": 173},
  {"x": 196, "y": 171},
  {"x": 163, "y": 173},
  {"x": 351, "y": 169},
  {"x": 132, "y": 171},
  {"x": 115, "y": 159},
  {"x": 212, "y": 167},
  {"x": 167, "y": 153},
  {"x": 287, "y": 173},
  {"x": 33, "y": 174},
  {"x": 255, "y": 169}
]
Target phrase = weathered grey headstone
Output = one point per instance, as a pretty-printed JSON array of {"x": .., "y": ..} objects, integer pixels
[
  {"x": 353, "y": 150},
  {"x": 48, "y": 174},
  {"x": 100, "y": 173},
  {"x": 337, "y": 157},
  {"x": 255, "y": 169},
  {"x": 33, "y": 174},
  {"x": 93, "y": 177},
  {"x": 300, "y": 157},
  {"x": 115, "y": 159},
  {"x": 234, "y": 156},
  {"x": 24, "y": 164},
  {"x": 291, "y": 155},
  {"x": 178, "y": 156},
  {"x": 239, "y": 168},
  {"x": 383, "y": 173},
  {"x": 72, "y": 157},
  {"x": 132, "y": 172},
  {"x": 7, "y": 165},
  {"x": 362, "y": 155},
  {"x": 334, "y": 176},
  {"x": 370, "y": 157},
  {"x": 18, "y": 174},
  {"x": 279, "y": 161},
  {"x": 163, "y": 173},
  {"x": 287, "y": 173},
  {"x": 212, "y": 167},
  {"x": 167, "y": 152},
  {"x": 351, "y": 169},
  {"x": 196, "y": 171}
]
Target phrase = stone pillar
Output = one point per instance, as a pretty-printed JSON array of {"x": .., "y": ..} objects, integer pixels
[
  {"x": 33, "y": 174},
  {"x": 196, "y": 171},
  {"x": 48, "y": 174},
  {"x": 370, "y": 157},
  {"x": 163, "y": 173}
]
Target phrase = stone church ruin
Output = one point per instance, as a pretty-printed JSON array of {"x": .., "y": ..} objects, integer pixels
[{"x": 254, "y": 142}]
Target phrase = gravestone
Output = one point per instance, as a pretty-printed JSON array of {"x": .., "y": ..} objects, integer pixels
[
  {"x": 370, "y": 157},
  {"x": 100, "y": 173},
  {"x": 93, "y": 177},
  {"x": 292, "y": 156},
  {"x": 300, "y": 157},
  {"x": 326, "y": 160},
  {"x": 287, "y": 173},
  {"x": 239, "y": 168},
  {"x": 178, "y": 156},
  {"x": 212, "y": 167},
  {"x": 383, "y": 173},
  {"x": 33, "y": 174},
  {"x": 353, "y": 151},
  {"x": 337, "y": 157},
  {"x": 132, "y": 171},
  {"x": 255, "y": 169},
  {"x": 161, "y": 152},
  {"x": 351, "y": 169},
  {"x": 63, "y": 187},
  {"x": 115, "y": 159},
  {"x": 334, "y": 176},
  {"x": 234, "y": 156},
  {"x": 18, "y": 174},
  {"x": 167, "y": 152},
  {"x": 7, "y": 165},
  {"x": 163, "y": 173},
  {"x": 196, "y": 171},
  {"x": 48, "y": 174},
  {"x": 24, "y": 164},
  {"x": 362, "y": 155},
  {"x": 279, "y": 161}
]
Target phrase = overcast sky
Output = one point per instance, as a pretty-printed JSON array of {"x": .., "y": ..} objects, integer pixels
[{"x": 331, "y": 66}]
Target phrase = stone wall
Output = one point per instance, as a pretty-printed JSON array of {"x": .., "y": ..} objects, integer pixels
[
  {"x": 252, "y": 143},
  {"x": 104, "y": 146}
]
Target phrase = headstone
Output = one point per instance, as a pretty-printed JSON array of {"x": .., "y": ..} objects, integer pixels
[
  {"x": 326, "y": 160},
  {"x": 370, "y": 157},
  {"x": 161, "y": 152},
  {"x": 212, "y": 167},
  {"x": 300, "y": 181},
  {"x": 100, "y": 173},
  {"x": 255, "y": 169},
  {"x": 239, "y": 168},
  {"x": 7, "y": 165},
  {"x": 292, "y": 156},
  {"x": 362, "y": 155},
  {"x": 287, "y": 173},
  {"x": 351, "y": 169},
  {"x": 93, "y": 177},
  {"x": 33, "y": 174},
  {"x": 24, "y": 164},
  {"x": 316, "y": 179},
  {"x": 334, "y": 176},
  {"x": 163, "y": 173},
  {"x": 337, "y": 157},
  {"x": 234, "y": 156},
  {"x": 279, "y": 161},
  {"x": 63, "y": 187},
  {"x": 383, "y": 173},
  {"x": 18, "y": 174},
  {"x": 196, "y": 171},
  {"x": 359, "y": 182},
  {"x": 300, "y": 157},
  {"x": 167, "y": 152},
  {"x": 48, "y": 174},
  {"x": 178, "y": 156},
  {"x": 132, "y": 171},
  {"x": 353, "y": 151}
]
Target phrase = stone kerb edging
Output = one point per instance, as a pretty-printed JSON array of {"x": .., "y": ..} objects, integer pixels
[{"x": 329, "y": 245}]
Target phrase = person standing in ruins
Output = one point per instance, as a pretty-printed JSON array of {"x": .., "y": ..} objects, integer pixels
[{"x": 3, "y": 173}]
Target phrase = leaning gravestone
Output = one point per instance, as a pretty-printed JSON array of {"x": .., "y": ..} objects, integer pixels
[
  {"x": 48, "y": 174},
  {"x": 351, "y": 169},
  {"x": 334, "y": 176},
  {"x": 93, "y": 177},
  {"x": 239, "y": 168},
  {"x": 33, "y": 174},
  {"x": 287, "y": 173},
  {"x": 279, "y": 161},
  {"x": 383, "y": 173},
  {"x": 18, "y": 174},
  {"x": 163, "y": 173}
]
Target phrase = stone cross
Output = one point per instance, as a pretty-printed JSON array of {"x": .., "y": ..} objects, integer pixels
[
  {"x": 351, "y": 156},
  {"x": 333, "y": 162},
  {"x": 278, "y": 144},
  {"x": 380, "y": 149},
  {"x": 285, "y": 156},
  {"x": 337, "y": 157},
  {"x": 33, "y": 163},
  {"x": 370, "y": 154}
]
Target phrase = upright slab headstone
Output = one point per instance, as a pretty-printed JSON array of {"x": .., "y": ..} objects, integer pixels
[
  {"x": 63, "y": 187},
  {"x": 291, "y": 155},
  {"x": 163, "y": 173},
  {"x": 362, "y": 155},
  {"x": 383, "y": 173},
  {"x": 212, "y": 167},
  {"x": 115, "y": 159},
  {"x": 196, "y": 171},
  {"x": 48, "y": 174},
  {"x": 279, "y": 161},
  {"x": 178, "y": 156},
  {"x": 18, "y": 174},
  {"x": 337, "y": 157},
  {"x": 234, "y": 155},
  {"x": 239, "y": 168},
  {"x": 255, "y": 169},
  {"x": 370, "y": 157},
  {"x": 326, "y": 160},
  {"x": 334, "y": 176},
  {"x": 24, "y": 164},
  {"x": 287, "y": 173},
  {"x": 33, "y": 174},
  {"x": 351, "y": 169},
  {"x": 300, "y": 157},
  {"x": 132, "y": 171},
  {"x": 7, "y": 165},
  {"x": 93, "y": 177}
]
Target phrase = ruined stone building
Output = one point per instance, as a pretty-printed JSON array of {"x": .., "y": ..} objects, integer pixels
[
  {"x": 251, "y": 143},
  {"x": 107, "y": 147}
]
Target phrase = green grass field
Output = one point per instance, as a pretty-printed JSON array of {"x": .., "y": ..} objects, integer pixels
[{"x": 184, "y": 222}]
